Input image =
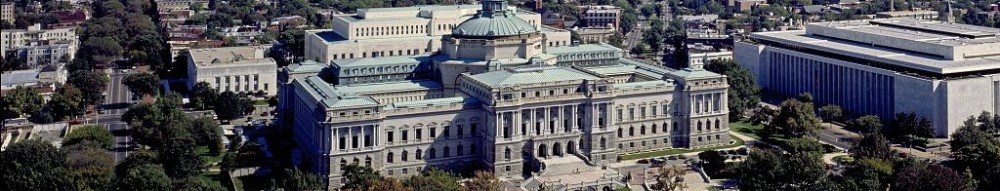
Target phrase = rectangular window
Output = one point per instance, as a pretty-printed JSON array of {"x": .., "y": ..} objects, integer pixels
[
  {"x": 354, "y": 142},
  {"x": 433, "y": 132},
  {"x": 368, "y": 140},
  {"x": 631, "y": 113},
  {"x": 388, "y": 136},
  {"x": 343, "y": 143},
  {"x": 404, "y": 136},
  {"x": 420, "y": 134}
]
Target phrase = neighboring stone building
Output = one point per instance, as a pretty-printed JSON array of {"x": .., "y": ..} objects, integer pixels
[
  {"x": 400, "y": 31},
  {"x": 44, "y": 79},
  {"x": 237, "y": 69},
  {"x": 11, "y": 39},
  {"x": 601, "y": 16},
  {"x": 171, "y": 5},
  {"x": 46, "y": 54},
  {"x": 598, "y": 35},
  {"x": 498, "y": 97},
  {"x": 943, "y": 71},
  {"x": 7, "y": 12}
]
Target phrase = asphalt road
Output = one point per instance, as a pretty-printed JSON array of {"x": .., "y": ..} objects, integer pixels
[{"x": 117, "y": 100}]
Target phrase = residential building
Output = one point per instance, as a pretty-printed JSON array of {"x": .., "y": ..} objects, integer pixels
[
  {"x": 43, "y": 79},
  {"x": 7, "y": 12},
  {"x": 21, "y": 37},
  {"x": 237, "y": 69},
  {"x": 498, "y": 97},
  {"x": 601, "y": 16},
  {"x": 71, "y": 18},
  {"x": 399, "y": 31},
  {"x": 46, "y": 54},
  {"x": 943, "y": 71}
]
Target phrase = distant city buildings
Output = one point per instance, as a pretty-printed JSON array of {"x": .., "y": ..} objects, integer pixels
[
  {"x": 46, "y": 54},
  {"x": 595, "y": 35},
  {"x": 170, "y": 5},
  {"x": 746, "y": 5},
  {"x": 919, "y": 14},
  {"x": 400, "y": 31},
  {"x": 944, "y": 71},
  {"x": 237, "y": 69}
]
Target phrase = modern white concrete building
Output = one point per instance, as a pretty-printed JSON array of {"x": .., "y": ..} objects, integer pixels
[
  {"x": 944, "y": 71},
  {"x": 237, "y": 69},
  {"x": 401, "y": 31},
  {"x": 497, "y": 97},
  {"x": 11, "y": 39}
]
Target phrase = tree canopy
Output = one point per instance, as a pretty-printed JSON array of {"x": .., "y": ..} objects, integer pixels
[
  {"x": 744, "y": 92},
  {"x": 33, "y": 165},
  {"x": 142, "y": 83},
  {"x": 89, "y": 135},
  {"x": 795, "y": 119},
  {"x": 21, "y": 101}
]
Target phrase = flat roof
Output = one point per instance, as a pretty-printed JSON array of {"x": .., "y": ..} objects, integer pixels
[
  {"x": 583, "y": 48},
  {"x": 229, "y": 56},
  {"x": 390, "y": 87},
  {"x": 908, "y": 59},
  {"x": 19, "y": 77}
]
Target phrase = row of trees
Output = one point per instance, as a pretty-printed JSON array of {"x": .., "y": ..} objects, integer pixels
[
  {"x": 227, "y": 105},
  {"x": 364, "y": 178},
  {"x": 66, "y": 102},
  {"x": 84, "y": 163}
]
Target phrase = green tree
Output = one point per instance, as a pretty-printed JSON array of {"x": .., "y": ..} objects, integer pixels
[
  {"x": 359, "y": 177},
  {"x": 866, "y": 124},
  {"x": 795, "y": 119},
  {"x": 66, "y": 102},
  {"x": 873, "y": 145},
  {"x": 434, "y": 179},
  {"x": 744, "y": 92},
  {"x": 670, "y": 178},
  {"x": 91, "y": 168},
  {"x": 772, "y": 170},
  {"x": 226, "y": 106},
  {"x": 869, "y": 174},
  {"x": 978, "y": 157},
  {"x": 142, "y": 83},
  {"x": 208, "y": 133},
  {"x": 203, "y": 96},
  {"x": 21, "y": 101},
  {"x": 178, "y": 154},
  {"x": 99, "y": 51},
  {"x": 933, "y": 177},
  {"x": 145, "y": 177},
  {"x": 969, "y": 134},
  {"x": 990, "y": 180},
  {"x": 908, "y": 127},
  {"x": 89, "y": 135},
  {"x": 33, "y": 165},
  {"x": 90, "y": 83},
  {"x": 713, "y": 162},
  {"x": 136, "y": 159},
  {"x": 803, "y": 145},
  {"x": 831, "y": 113},
  {"x": 194, "y": 184},
  {"x": 295, "y": 179},
  {"x": 483, "y": 181}
]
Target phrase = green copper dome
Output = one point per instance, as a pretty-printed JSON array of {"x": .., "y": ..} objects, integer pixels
[{"x": 494, "y": 20}]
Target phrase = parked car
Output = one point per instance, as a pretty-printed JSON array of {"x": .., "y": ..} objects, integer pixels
[{"x": 672, "y": 157}]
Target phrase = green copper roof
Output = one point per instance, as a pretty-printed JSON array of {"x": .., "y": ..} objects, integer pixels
[
  {"x": 530, "y": 75},
  {"x": 494, "y": 20}
]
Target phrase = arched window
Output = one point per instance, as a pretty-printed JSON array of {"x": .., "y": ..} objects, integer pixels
[
  {"x": 717, "y": 125},
  {"x": 419, "y": 154},
  {"x": 604, "y": 143},
  {"x": 447, "y": 152},
  {"x": 653, "y": 129},
  {"x": 642, "y": 130},
  {"x": 343, "y": 164},
  {"x": 506, "y": 153},
  {"x": 619, "y": 133},
  {"x": 666, "y": 128},
  {"x": 403, "y": 157},
  {"x": 433, "y": 153},
  {"x": 459, "y": 150},
  {"x": 368, "y": 161},
  {"x": 388, "y": 158},
  {"x": 675, "y": 126},
  {"x": 356, "y": 161},
  {"x": 699, "y": 126},
  {"x": 472, "y": 149},
  {"x": 631, "y": 131}
]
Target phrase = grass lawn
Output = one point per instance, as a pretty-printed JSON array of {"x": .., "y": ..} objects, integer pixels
[
  {"x": 206, "y": 156},
  {"x": 747, "y": 129},
  {"x": 260, "y": 102},
  {"x": 211, "y": 178},
  {"x": 667, "y": 152}
]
